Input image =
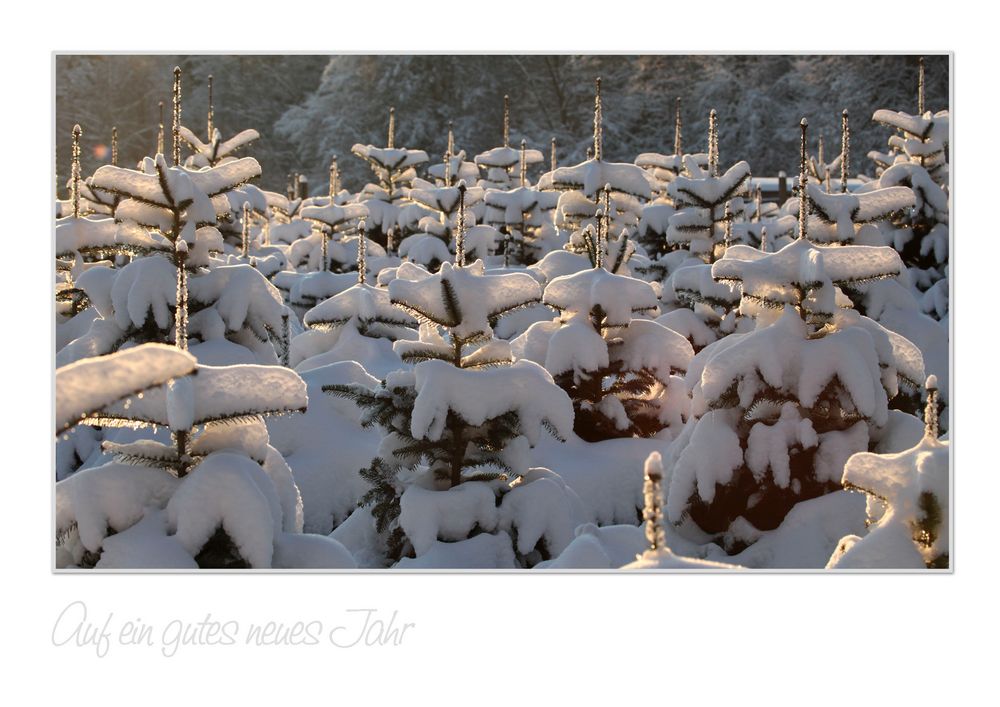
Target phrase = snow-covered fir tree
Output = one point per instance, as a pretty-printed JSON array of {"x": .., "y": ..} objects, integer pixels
[
  {"x": 908, "y": 503},
  {"x": 771, "y": 429},
  {"x": 458, "y": 425}
]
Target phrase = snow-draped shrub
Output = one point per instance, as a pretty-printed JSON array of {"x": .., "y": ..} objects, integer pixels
[
  {"x": 908, "y": 503},
  {"x": 777, "y": 411},
  {"x": 704, "y": 205},
  {"x": 459, "y": 424},
  {"x": 205, "y": 481},
  {"x": 620, "y": 371}
]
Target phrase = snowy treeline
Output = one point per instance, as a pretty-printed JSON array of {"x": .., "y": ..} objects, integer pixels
[
  {"x": 309, "y": 107},
  {"x": 507, "y": 357}
]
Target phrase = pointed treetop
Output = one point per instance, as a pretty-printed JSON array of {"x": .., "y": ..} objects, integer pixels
[
  {"x": 506, "y": 120},
  {"x": 552, "y": 156},
  {"x": 713, "y": 143},
  {"x": 159, "y": 133},
  {"x": 845, "y": 150},
  {"x": 728, "y": 224},
  {"x": 931, "y": 410},
  {"x": 392, "y": 128},
  {"x": 598, "y": 121},
  {"x": 677, "y": 127},
  {"x": 362, "y": 250},
  {"x": 920, "y": 88},
  {"x": 653, "y": 506},
  {"x": 460, "y": 233},
  {"x": 176, "y": 130},
  {"x": 211, "y": 110},
  {"x": 114, "y": 145},
  {"x": 75, "y": 171},
  {"x": 803, "y": 197},
  {"x": 245, "y": 230},
  {"x": 451, "y": 138},
  {"x": 334, "y": 177},
  {"x": 763, "y": 238}
]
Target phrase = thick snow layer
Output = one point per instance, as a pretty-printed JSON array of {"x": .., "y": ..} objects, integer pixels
[
  {"x": 619, "y": 296},
  {"x": 368, "y": 306},
  {"x": 927, "y": 126},
  {"x": 558, "y": 263},
  {"x": 711, "y": 456},
  {"x": 483, "y": 551},
  {"x": 807, "y": 536},
  {"x": 575, "y": 347},
  {"x": 899, "y": 481},
  {"x": 606, "y": 476},
  {"x": 298, "y": 551},
  {"x": 523, "y": 203},
  {"x": 886, "y": 546},
  {"x": 592, "y": 176},
  {"x": 120, "y": 375},
  {"x": 782, "y": 357},
  {"x": 317, "y": 348},
  {"x": 541, "y": 507},
  {"x": 221, "y": 392},
  {"x": 332, "y": 215},
  {"x": 464, "y": 299},
  {"x": 242, "y": 297},
  {"x": 694, "y": 283},
  {"x": 113, "y": 496},
  {"x": 76, "y": 234},
  {"x": 225, "y": 177},
  {"x": 220, "y": 352},
  {"x": 289, "y": 232},
  {"x": 802, "y": 264},
  {"x": 232, "y": 492},
  {"x": 665, "y": 559},
  {"x": 427, "y": 515},
  {"x": 654, "y": 347},
  {"x": 388, "y": 158},
  {"x": 607, "y": 547},
  {"x": 892, "y": 306},
  {"x": 689, "y": 325},
  {"x": 144, "y": 288},
  {"x": 710, "y": 191},
  {"x": 326, "y": 447},
  {"x": 847, "y": 210},
  {"x": 446, "y": 199},
  {"x": 507, "y": 157},
  {"x": 480, "y": 395},
  {"x": 145, "y": 545}
]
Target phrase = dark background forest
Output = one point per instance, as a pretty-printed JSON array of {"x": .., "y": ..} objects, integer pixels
[{"x": 308, "y": 108}]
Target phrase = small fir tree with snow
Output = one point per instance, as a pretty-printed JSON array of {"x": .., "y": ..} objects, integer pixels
[
  {"x": 204, "y": 490},
  {"x": 769, "y": 431},
  {"x": 619, "y": 370},
  {"x": 908, "y": 503},
  {"x": 394, "y": 170},
  {"x": 214, "y": 150},
  {"x": 627, "y": 187},
  {"x": 707, "y": 203},
  {"x": 358, "y": 324},
  {"x": 460, "y": 421},
  {"x": 501, "y": 162}
]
